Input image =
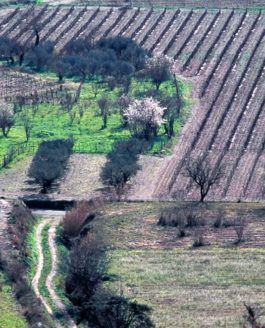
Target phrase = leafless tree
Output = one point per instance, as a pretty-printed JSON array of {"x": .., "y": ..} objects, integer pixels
[{"x": 203, "y": 175}]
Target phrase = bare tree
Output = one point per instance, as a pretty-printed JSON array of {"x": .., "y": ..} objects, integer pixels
[{"x": 203, "y": 175}]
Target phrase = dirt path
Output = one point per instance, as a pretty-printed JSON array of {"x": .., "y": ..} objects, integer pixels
[
  {"x": 5, "y": 209},
  {"x": 50, "y": 279},
  {"x": 36, "y": 279},
  {"x": 53, "y": 221}
]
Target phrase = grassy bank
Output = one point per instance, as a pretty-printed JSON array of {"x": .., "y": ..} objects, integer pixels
[{"x": 10, "y": 316}]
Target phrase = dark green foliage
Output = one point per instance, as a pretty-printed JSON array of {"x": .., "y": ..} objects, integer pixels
[
  {"x": 9, "y": 49},
  {"x": 122, "y": 163},
  {"x": 40, "y": 56},
  {"x": 50, "y": 162},
  {"x": 116, "y": 57},
  {"x": 125, "y": 49}
]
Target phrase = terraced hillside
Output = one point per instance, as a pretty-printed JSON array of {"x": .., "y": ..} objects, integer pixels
[{"x": 221, "y": 51}]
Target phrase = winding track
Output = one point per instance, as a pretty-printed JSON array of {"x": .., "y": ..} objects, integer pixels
[{"x": 53, "y": 219}]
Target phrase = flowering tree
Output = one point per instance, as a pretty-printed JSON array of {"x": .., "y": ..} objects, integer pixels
[
  {"x": 158, "y": 69},
  {"x": 6, "y": 117},
  {"x": 144, "y": 117}
]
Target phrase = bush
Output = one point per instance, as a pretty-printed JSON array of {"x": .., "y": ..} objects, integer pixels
[
  {"x": 239, "y": 227},
  {"x": 87, "y": 269},
  {"x": 15, "y": 265},
  {"x": 219, "y": 220},
  {"x": 75, "y": 219},
  {"x": 50, "y": 162},
  {"x": 198, "y": 238},
  {"x": 107, "y": 310},
  {"x": 181, "y": 233},
  {"x": 180, "y": 217}
]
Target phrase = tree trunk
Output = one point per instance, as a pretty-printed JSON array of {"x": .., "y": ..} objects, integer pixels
[{"x": 21, "y": 58}]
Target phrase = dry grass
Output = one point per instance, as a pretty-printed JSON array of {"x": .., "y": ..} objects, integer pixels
[
  {"x": 187, "y": 287},
  {"x": 80, "y": 180}
]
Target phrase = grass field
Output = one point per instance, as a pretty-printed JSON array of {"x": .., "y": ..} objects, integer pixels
[
  {"x": 52, "y": 121},
  {"x": 9, "y": 314},
  {"x": 186, "y": 286}
]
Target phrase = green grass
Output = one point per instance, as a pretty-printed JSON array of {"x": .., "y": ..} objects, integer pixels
[
  {"x": 52, "y": 122},
  {"x": 63, "y": 255},
  {"x": 9, "y": 314},
  {"x": 32, "y": 247},
  {"x": 46, "y": 266},
  {"x": 194, "y": 288}
]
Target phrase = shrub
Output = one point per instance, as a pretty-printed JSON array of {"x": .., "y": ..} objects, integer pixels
[
  {"x": 219, "y": 219},
  {"x": 198, "y": 238},
  {"x": 180, "y": 217},
  {"x": 87, "y": 269},
  {"x": 239, "y": 227},
  {"x": 181, "y": 233},
  {"x": 107, "y": 310},
  {"x": 75, "y": 219}
]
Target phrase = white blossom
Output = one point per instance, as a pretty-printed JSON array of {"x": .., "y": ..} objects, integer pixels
[{"x": 145, "y": 116}]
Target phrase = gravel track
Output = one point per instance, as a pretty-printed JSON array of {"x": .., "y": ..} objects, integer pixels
[{"x": 53, "y": 219}]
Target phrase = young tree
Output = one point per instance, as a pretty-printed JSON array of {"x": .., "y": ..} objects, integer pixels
[
  {"x": 173, "y": 105},
  {"x": 27, "y": 124},
  {"x": 144, "y": 117},
  {"x": 203, "y": 175},
  {"x": 50, "y": 162},
  {"x": 123, "y": 102},
  {"x": 158, "y": 69},
  {"x": 7, "y": 119},
  {"x": 104, "y": 106}
]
